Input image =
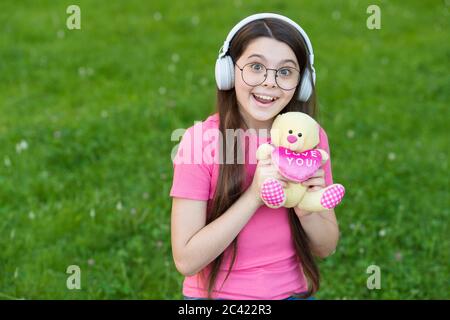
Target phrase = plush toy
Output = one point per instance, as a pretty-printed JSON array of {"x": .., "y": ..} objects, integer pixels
[{"x": 294, "y": 135}]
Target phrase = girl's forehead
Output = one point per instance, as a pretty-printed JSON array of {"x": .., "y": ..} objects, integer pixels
[{"x": 268, "y": 49}]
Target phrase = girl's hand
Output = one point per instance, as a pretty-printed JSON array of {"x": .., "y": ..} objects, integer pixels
[
  {"x": 265, "y": 169},
  {"x": 316, "y": 182}
]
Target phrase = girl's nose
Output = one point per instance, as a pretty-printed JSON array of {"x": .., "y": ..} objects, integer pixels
[
  {"x": 291, "y": 139},
  {"x": 270, "y": 81}
]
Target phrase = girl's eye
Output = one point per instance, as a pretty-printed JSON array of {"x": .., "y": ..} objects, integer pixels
[
  {"x": 257, "y": 67},
  {"x": 285, "y": 72},
  {"x": 299, "y": 135},
  {"x": 290, "y": 131}
]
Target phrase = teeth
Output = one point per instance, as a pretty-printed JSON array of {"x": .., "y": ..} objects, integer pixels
[{"x": 265, "y": 97}]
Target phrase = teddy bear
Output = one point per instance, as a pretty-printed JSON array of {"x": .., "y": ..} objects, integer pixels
[{"x": 294, "y": 135}]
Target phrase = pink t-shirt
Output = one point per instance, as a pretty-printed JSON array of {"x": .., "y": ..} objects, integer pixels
[{"x": 266, "y": 265}]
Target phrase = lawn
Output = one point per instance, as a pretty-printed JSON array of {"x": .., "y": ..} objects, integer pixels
[{"x": 86, "y": 117}]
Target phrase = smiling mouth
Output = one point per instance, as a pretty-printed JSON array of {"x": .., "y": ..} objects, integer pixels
[{"x": 264, "y": 100}]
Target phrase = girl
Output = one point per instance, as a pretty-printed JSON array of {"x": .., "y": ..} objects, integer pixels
[{"x": 225, "y": 241}]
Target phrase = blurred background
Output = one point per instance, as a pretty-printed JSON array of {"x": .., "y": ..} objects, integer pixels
[{"x": 86, "y": 118}]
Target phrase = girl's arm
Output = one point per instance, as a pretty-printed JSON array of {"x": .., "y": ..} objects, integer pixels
[
  {"x": 321, "y": 227},
  {"x": 322, "y": 230},
  {"x": 194, "y": 244}
]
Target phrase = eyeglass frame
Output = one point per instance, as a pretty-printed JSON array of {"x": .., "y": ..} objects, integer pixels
[{"x": 265, "y": 78}]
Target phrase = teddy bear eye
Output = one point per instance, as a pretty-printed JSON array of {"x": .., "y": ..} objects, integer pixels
[
  {"x": 290, "y": 131},
  {"x": 299, "y": 135}
]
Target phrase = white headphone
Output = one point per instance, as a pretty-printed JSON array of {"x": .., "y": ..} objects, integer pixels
[{"x": 225, "y": 66}]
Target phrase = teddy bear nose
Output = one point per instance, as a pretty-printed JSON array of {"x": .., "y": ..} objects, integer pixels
[{"x": 291, "y": 139}]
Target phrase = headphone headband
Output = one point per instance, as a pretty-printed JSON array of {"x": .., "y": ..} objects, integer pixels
[{"x": 226, "y": 45}]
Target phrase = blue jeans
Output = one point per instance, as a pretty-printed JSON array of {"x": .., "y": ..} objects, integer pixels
[
  {"x": 294, "y": 298},
  {"x": 289, "y": 298}
]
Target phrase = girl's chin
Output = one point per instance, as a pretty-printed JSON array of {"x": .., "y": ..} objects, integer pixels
[{"x": 262, "y": 115}]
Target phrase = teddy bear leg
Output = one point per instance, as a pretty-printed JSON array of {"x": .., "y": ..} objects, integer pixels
[
  {"x": 272, "y": 193},
  {"x": 294, "y": 194},
  {"x": 324, "y": 199}
]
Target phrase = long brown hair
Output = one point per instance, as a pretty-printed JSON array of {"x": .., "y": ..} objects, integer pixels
[{"x": 231, "y": 176}]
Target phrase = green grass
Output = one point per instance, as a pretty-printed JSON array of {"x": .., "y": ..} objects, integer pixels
[{"x": 96, "y": 108}]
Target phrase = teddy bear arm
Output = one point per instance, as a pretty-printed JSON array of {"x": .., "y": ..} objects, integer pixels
[
  {"x": 324, "y": 154},
  {"x": 264, "y": 151}
]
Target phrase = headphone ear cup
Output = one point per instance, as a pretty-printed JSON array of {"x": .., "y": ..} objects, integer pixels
[
  {"x": 305, "y": 91},
  {"x": 224, "y": 73}
]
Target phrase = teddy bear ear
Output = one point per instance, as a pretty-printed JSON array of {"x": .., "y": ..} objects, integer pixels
[
  {"x": 275, "y": 136},
  {"x": 275, "y": 131},
  {"x": 312, "y": 138}
]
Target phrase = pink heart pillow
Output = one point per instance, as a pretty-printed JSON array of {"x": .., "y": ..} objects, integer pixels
[{"x": 295, "y": 166}]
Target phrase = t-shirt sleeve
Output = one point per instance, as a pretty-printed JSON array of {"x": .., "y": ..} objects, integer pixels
[
  {"x": 323, "y": 144},
  {"x": 191, "y": 175}
]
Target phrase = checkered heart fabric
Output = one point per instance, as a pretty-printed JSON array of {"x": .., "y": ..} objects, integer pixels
[
  {"x": 272, "y": 193},
  {"x": 333, "y": 196}
]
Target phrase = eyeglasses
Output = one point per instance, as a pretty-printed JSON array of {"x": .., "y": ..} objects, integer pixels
[{"x": 254, "y": 74}]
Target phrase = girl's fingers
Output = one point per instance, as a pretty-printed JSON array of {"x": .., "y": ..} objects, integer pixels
[
  {"x": 281, "y": 178},
  {"x": 319, "y": 173},
  {"x": 320, "y": 182},
  {"x": 268, "y": 172},
  {"x": 264, "y": 162}
]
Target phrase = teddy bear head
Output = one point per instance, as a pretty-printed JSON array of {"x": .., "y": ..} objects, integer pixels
[{"x": 296, "y": 131}]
